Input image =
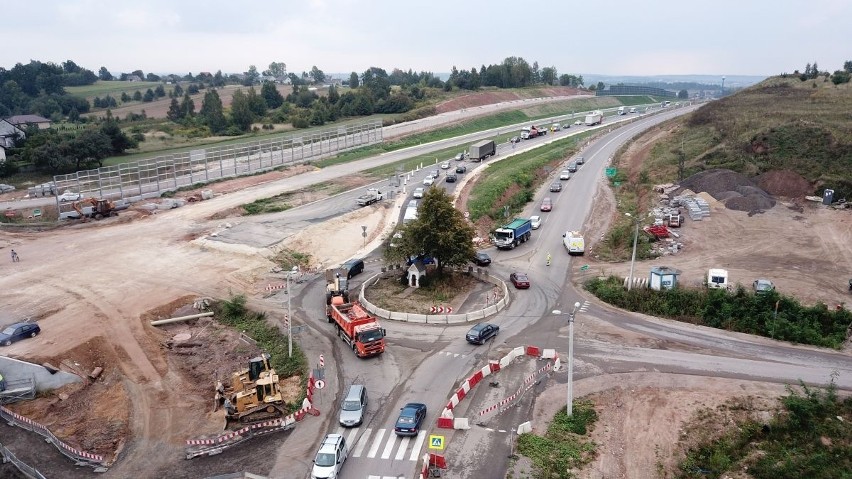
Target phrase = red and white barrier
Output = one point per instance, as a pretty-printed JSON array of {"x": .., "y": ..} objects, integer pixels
[
  {"x": 42, "y": 430},
  {"x": 447, "y": 419}
]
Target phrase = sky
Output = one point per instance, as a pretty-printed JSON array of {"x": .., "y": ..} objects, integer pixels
[{"x": 608, "y": 37}]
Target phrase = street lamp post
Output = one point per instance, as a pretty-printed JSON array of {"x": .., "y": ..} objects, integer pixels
[
  {"x": 571, "y": 315},
  {"x": 633, "y": 256},
  {"x": 290, "y": 315}
]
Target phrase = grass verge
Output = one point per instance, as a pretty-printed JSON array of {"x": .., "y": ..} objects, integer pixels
[{"x": 566, "y": 446}]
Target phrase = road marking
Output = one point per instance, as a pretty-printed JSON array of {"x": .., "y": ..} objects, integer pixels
[
  {"x": 389, "y": 446},
  {"x": 403, "y": 445},
  {"x": 362, "y": 443},
  {"x": 351, "y": 435},
  {"x": 376, "y": 443},
  {"x": 415, "y": 451}
]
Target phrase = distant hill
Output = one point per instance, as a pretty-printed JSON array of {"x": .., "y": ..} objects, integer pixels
[
  {"x": 779, "y": 124},
  {"x": 731, "y": 81}
]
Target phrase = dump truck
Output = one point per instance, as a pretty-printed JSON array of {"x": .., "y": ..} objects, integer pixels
[
  {"x": 482, "y": 150},
  {"x": 356, "y": 327},
  {"x": 574, "y": 243},
  {"x": 253, "y": 394},
  {"x": 373, "y": 195},
  {"x": 594, "y": 118},
  {"x": 513, "y": 234},
  {"x": 532, "y": 132},
  {"x": 337, "y": 285}
]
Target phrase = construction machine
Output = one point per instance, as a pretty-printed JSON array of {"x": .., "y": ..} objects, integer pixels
[
  {"x": 254, "y": 394},
  {"x": 101, "y": 208},
  {"x": 337, "y": 284}
]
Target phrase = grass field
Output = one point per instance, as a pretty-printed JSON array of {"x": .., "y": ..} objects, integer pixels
[{"x": 112, "y": 88}]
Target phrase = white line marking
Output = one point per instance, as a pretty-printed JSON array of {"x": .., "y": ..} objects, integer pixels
[
  {"x": 376, "y": 443},
  {"x": 389, "y": 446},
  {"x": 362, "y": 443},
  {"x": 403, "y": 445},
  {"x": 415, "y": 451}
]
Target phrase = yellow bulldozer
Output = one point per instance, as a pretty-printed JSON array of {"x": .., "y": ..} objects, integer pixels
[{"x": 254, "y": 394}]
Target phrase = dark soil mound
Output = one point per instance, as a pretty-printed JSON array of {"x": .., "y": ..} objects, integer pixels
[
  {"x": 785, "y": 183},
  {"x": 735, "y": 190},
  {"x": 715, "y": 182},
  {"x": 750, "y": 203}
]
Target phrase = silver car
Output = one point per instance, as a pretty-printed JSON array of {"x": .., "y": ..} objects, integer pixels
[{"x": 354, "y": 406}]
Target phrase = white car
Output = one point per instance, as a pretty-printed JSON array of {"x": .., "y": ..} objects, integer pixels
[
  {"x": 445, "y": 165},
  {"x": 418, "y": 193},
  {"x": 413, "y": 203},
  {"x": 578, "y": 122},
  {"x": 330, "y": 457},
  {"x": 428, "y": 181},
  {"x": 565, "y": 175},
  {"x": 536, "y": 221},
  {"x": 69, "y": 196}
]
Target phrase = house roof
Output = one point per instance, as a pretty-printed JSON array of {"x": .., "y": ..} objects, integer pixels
[
  {"x": 664, "y": 270},
  {"x": 26, "y": 119},
  {"x": 8, "y": 129},
  {"x": 418, "y": 267}
]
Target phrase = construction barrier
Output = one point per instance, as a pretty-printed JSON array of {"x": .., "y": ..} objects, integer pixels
[
  {"x": 447, "y": 420},
  {"x": 210, "y": 446},
  {"x": 26, "y": 469},
  {"x": 81, "y": 457}
]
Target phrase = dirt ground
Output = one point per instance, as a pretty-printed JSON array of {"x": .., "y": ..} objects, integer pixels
[{"x": 149, "y": 398}]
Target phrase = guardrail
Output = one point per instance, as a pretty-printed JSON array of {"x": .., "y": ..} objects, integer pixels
[
  {"x": 26, "y": 469},
  {"x": 81, "y": 458}
]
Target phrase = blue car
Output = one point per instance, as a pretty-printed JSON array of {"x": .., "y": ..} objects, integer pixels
[
  {"x": 410, "y": 418},
  {"x": 17, "y": 332}
]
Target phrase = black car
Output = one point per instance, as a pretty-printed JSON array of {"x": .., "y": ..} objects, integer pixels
[
  {"x": 482, "y": 332},
  {"x": 461, "y": 169},
  {"x": 353, "y": 267},
  {"x": 411, "y": 416},
  {"x": 18, "y": 331},
  {"x": 556, "y": 187},
  {"x": 451, "y": 178},
  {"x": 482, "y": 259}
]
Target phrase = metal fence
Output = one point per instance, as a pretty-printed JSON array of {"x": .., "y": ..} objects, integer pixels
[
  {"x": 26, "y": 469},
  {"x": 151, "y": 177}
]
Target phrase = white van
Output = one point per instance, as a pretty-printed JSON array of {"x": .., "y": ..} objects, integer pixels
[
  {"x": 621, "y": 110},
  {"x": 633, "y": 110}
]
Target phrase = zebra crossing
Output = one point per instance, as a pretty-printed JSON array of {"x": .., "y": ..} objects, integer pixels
[{"x": 382, "y": 444}]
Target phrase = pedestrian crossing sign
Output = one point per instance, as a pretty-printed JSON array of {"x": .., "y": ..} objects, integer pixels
[{"x": 436, "y": 442}]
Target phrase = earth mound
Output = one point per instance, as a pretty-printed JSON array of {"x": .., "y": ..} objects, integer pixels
[
  {"x": 785, "y": 183},
  {"x": 735, "y": 190}
]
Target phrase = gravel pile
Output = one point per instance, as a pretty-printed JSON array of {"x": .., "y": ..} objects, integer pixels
[{"x": 736, "y": 191}]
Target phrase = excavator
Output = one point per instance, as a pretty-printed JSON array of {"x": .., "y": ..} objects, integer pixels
[
  {"x": 336, "y": 285},
  {"x": 254, "y": 394},
  {"x": 101, "y": 208}
]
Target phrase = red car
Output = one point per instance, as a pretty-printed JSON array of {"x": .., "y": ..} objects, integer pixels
[
  {"x": 546, "y": 204},
  {"x": 520, "y": 280}
]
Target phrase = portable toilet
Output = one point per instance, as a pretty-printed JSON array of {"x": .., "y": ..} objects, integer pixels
[
  {"x": 717, "y": 278},
  {"x": 663, "y": 277}
]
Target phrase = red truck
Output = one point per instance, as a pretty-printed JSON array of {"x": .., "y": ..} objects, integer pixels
[
  {"x": 532, "y": 132},
  {"x": 356, "y": 327}
]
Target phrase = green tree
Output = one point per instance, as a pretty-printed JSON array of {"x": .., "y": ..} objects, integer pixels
[
  {"x": 256, "y": 103},
  {"x": 333, "y": 96},
  {"x": 149, "y": 96},
  {"x": 549, "y": 75},
  {"x": 104, "y": 74},
  {"x": 137, "y": 96},
  {"x": 277, "y": 70},
  {"x": 440, "y": 231},
  {"x": 160, "y": 92},
  {"x": 119, "y": 140},
  {"x": 353, "y": 80},
  {"x": 212, "y": 113},
  {"x": 317, "y": 75},
  {"x": 125, "y": 97},
  {"x": 175, "y": 113},
  {"x": 840, "y": 76},
  {"x": 271, "y": 95},
  {"x": 601, "y": 86},
  {"x": 187, "y": 107},
  {"x": 683, "y": 94},
  {"x": 177, "y": 91},
  {"x": 251, "y": 76},
  {"x": 241, "y": 114}
]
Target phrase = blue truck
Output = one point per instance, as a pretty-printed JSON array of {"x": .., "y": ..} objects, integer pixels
[{"x": 513, "y": 234}]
